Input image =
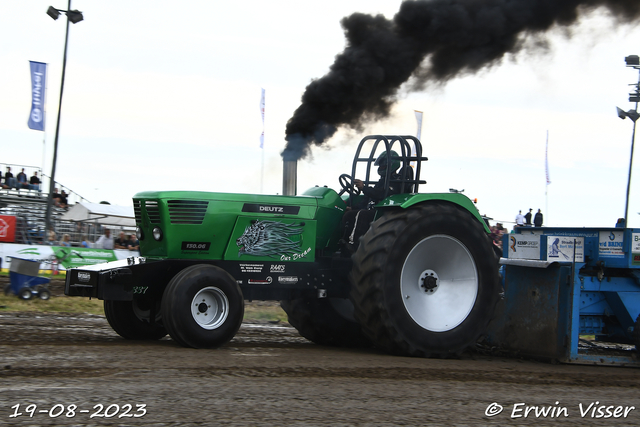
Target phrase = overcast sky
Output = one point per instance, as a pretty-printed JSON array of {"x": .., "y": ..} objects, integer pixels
[{"x": 165, "y": 96}]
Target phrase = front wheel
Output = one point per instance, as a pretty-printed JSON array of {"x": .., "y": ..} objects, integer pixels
[
  {"x": 202, "y": 307},
  {"x": 425, "y": 281}
]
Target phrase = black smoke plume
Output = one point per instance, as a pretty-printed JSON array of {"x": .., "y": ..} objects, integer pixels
[{"x": 431, "y": 40}]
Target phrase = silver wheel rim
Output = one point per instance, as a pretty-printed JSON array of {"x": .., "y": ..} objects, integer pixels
[
  {"x": 439, "y": 283},
  {"x": 210, "y": 308}
]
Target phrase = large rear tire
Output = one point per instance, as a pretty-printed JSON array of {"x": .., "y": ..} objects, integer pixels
[
  {"x": 425, "y": 281},
  {"x": 131, "y": 320},
  {"x": 202, "y": 307},
  {"x": 326, "y": 321}
]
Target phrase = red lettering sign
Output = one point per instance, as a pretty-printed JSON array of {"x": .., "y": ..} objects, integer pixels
[{"x": 7, "y": 228}]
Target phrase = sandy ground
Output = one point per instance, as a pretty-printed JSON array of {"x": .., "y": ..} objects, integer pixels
[{"x": 74, "y": 370}]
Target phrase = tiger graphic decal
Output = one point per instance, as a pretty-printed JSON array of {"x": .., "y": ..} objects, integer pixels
[{"x": 270, "y": 239}]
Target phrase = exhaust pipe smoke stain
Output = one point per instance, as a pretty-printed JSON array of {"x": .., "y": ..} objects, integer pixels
[{"x": 431, "y": 40}]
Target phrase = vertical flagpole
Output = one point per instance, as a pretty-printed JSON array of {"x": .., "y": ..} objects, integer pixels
[
  {"x": 262, "y": 106},
  {"x": 548, "y": 181},
  {"x": 52, "y": 177},
  {"x": 418, "y": 135}
]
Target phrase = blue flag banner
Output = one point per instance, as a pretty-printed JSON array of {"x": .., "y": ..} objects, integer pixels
[{"x": 38, "y": 79}]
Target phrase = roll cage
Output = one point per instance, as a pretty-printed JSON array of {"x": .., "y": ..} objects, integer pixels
[{"x": 408, "y": 176}]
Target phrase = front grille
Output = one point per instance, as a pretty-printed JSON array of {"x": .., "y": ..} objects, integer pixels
[
  {"x": 187, "y": 211},
  {"x": 137, "y": 210},
  {"x": 153, "y": 211}
]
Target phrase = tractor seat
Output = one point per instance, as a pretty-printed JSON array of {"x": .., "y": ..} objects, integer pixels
[{"x": 406, "y": 174}]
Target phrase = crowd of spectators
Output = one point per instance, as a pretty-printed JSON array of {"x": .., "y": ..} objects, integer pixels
[
  {"x": 60, "y": 199},
  {"x": 105, "y": 241},
  {"x": 20, "y": 181},
  {"x": 497, "y": 231}
]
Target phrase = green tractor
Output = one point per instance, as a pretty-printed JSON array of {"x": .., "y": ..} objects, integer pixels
[{"x": 421, "y": 280}]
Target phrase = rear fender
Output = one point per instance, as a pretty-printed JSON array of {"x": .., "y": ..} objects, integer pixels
[{"x": 405, "y": 201}]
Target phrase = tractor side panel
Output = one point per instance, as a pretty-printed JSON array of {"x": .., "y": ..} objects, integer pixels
[
  {"x": 272, "y": 239},
  {"x": 200, "y": 225}
]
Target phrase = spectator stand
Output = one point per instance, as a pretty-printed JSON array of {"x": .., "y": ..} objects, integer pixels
[{"x": 29, "y": 207}]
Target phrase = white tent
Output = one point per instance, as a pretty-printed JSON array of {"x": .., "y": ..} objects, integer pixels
[{"x": 96, "y": 213}]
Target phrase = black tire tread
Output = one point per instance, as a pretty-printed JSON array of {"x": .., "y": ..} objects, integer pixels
[
  {"x": 125, "y": 323},
  {"x": 171, "y": 308},
  {"x": 319, "y": 322},
  {"x": 368, "y": 276}
]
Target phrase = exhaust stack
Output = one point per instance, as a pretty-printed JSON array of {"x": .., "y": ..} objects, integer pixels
[{"x": 289, "y": 177}]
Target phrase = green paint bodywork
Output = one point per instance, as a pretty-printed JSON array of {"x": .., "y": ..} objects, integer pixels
[
  {"x": 405, "y": 201},
  {"x": 215, "y": 235},
  {"x": 320, "y": 209}
]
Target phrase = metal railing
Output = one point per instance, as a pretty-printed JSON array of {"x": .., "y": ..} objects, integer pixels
[{"x": 72, "y": 196}]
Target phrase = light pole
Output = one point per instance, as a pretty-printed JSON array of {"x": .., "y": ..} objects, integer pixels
[
  {"x": 74, "y": 17},
  {"x": 632, "y": 61}
]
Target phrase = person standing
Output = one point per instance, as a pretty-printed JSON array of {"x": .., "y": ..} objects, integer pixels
[
  {"x": 66, "y": 241},
  {"x": 105, "y": 241},
  {"x": 51, "y": 237},
  {"x": 122, "y": 242},
  {"x": 520, "y": 219},
  {"x": 537, "y": 219},
  {"x": 527, "y": 218},
  {"x": 134, "y": 243}
]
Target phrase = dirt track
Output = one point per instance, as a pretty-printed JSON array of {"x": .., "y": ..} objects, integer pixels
[{"x": 269, "y": 375}]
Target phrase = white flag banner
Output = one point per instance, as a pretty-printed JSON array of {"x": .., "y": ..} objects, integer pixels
[
  {"x": 262, "y": 112},
  {"x": 419, "y": 119}
]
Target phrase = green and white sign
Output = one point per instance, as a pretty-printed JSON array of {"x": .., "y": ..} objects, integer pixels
[{"x": 65, "y": 257}]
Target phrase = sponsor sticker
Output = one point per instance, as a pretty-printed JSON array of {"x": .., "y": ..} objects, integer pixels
[
  {"x": 266, "y": 281},
  {"x": 524, "y": 246},
  {"x": 610, "y": 244},
  {"x": 196, "y": 246},
  {"x": 565, "y": 248},
  {"x": 251, "y": 268}
]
